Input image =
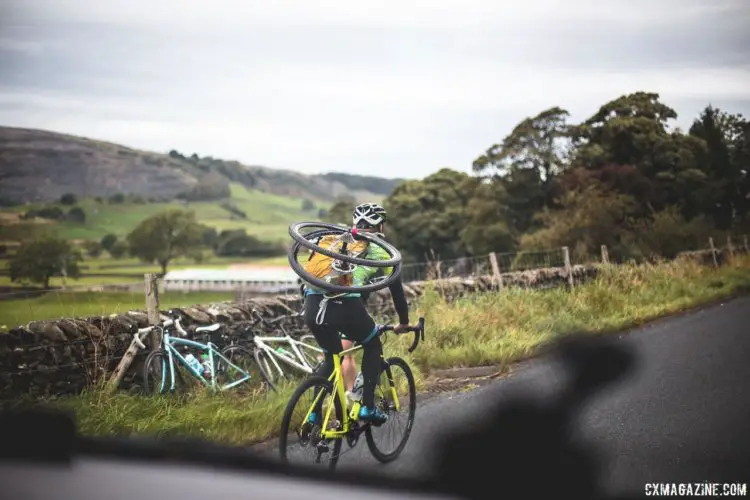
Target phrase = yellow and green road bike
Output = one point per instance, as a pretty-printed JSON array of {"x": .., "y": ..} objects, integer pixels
[{"x": 321, "y": 439}]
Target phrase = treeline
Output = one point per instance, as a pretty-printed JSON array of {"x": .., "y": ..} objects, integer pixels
[
  {"x": 621, "y": 178},
  {"x": 158, "y": 239}
]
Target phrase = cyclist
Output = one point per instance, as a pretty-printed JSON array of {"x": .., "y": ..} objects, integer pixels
[{"x": 328, "y": 314}]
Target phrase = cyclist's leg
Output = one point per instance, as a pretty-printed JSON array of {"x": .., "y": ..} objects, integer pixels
[
  {"x": 328, "y": 339},
  {"x": 360, "y": 327},
  {"x": 348, "y": 367}
]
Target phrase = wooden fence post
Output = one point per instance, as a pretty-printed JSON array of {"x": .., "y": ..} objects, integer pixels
[
  {"x": 605, "y": 255},
  {"x": 713, "y": 250},
  {"x": 152, "y": 305},
  {"x": 744, "y": 239},
  {"x": 496, "y": 271},
  {"x": 730, "y": 248},
  {"x": 568, "y": 267}
]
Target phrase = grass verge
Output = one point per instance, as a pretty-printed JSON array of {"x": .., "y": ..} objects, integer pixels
[{"x": 484, "y": 329}]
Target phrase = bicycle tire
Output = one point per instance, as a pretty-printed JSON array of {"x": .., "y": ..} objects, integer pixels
[
  {"x": 371, "y": 444},
  {"x": 256, "y": 354},
  {"x": 245, "y": 351},
  {"x": 159, "y": 353},
  {"x": 330, "y": 287},
  {"x": 392, "y": 251},
  {"x": 314, "y": 363},
  {"x": 286, "y": 419}
]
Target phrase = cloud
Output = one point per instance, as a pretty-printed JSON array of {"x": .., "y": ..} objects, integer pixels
[{"x": 380, "y": 89}]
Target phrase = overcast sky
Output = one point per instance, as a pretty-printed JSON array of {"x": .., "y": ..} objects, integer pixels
[{"x": 398, "y": 89}]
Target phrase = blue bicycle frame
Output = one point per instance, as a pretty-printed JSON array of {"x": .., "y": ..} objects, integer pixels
[{"x": 170, "y": 342}]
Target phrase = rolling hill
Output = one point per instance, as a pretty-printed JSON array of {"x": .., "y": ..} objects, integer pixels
[{"x": 41, "y": 166}]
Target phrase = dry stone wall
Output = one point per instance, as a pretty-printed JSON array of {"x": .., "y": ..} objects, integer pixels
[{"x": 65, "y": 356}]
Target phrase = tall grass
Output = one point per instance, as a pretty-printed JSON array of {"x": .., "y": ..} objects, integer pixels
[{"x": 477, "y": 330}]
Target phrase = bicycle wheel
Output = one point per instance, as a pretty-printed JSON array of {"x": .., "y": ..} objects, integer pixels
[
  {"x": 407, "y": 398},
  {"x": 308, "y": 434},
  {"x": 156, "y": 368},
  {"x": 330, "y": 287},
  {"x": 267, "y": 367},
  {"x": 312, "y": 357},
  {"x": 304, "y": 240},
  {"x": 244, "y": 359},
  {"x": 294, "y": 232}
]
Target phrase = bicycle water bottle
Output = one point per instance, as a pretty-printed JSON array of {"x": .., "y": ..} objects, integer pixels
[
  {"x": 281, "y": 350},
  {"x": 206, "y": 365},
  {"x": 194, "y": 363}
]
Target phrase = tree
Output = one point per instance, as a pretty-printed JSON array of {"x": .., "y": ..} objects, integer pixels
[
  {"x": 429, "y": 215},
  {"x": 93, "y": 248},
  {"x": 723, "y": 192},
  {"x": 117, "y": 198},
  {"x": 108, "y": 241},
  {"x": 164, "y": 236},
  {"x": 488, "y": 227},
  {"x": 118, "y": 249},
  {"x": 76, "y": 214},
  {"x": 632, "y": 131},
  {"x": 341, "y": 211},
  {"x": 538, "y": 143},
  {"x": 68, "y": 199},
  {"x": 39, "y": 260},
  {"x": 589, "y": 217},
  {"x": 525, "y": 165}
]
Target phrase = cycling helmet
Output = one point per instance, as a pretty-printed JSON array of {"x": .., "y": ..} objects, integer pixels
[{"x": 368, "y": 215}]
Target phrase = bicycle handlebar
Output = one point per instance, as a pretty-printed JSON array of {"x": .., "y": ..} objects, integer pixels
[{"x": 418, "y": 332}]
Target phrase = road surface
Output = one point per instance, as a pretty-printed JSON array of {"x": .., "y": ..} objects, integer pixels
[{"x": 684, "y": 409}]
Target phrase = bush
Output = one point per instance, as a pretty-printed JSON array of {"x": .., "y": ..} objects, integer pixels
[
  {"x": 233, "y": 209},
  {"x": 93, "y": 248},
  {"x": 77, "y": 214},
  {"x": 117, "y": 198},
  {"x": 68, "y": 199},
  {"x": 52, "y": 212},
  {"x": 108, "y": 241},
  {"x": 238, "y": 244},
  {"x": 119, "y": 249}
]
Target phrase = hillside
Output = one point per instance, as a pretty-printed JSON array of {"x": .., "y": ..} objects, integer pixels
[
  {"x": 265, "y": 215},
  {"x": 41, "y": 166}
]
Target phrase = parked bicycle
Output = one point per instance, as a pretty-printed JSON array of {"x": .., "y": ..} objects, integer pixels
[
  {"x": 217, "y": 370},
  {"x": 302, "y": 354}
]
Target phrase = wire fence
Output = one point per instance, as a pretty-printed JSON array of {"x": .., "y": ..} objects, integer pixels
[
  {"x": 19, "y": 307},
  {"x": 36, "y": 357}
]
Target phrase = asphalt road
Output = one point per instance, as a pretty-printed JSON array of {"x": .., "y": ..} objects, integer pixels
[{"x": 679, "y": 417}]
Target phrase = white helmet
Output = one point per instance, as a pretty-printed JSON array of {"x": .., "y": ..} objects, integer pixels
[{"x": 368, "y": 215}]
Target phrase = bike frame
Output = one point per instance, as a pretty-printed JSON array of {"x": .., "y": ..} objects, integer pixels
[
  {"x": 263, "y": 343},
  {"x": 169, "y": 342},
  {"x": 340, "y": 392}
]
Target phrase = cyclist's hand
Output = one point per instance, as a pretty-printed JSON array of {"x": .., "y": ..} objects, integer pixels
[{"x": 401, "y": 328}]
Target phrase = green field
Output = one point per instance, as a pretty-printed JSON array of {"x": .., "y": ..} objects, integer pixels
[
  {"x": 494, "y": 328},
  {"x": 131, "y": 270},
  {"x": 268, "y": 216},
  {"x": 56, "y": 304}
]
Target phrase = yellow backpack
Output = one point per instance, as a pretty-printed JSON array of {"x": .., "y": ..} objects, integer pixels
[{"x": 321, "y": 266}]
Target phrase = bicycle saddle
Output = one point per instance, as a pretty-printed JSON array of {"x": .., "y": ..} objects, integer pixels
[{"x": 210, "y": 328}]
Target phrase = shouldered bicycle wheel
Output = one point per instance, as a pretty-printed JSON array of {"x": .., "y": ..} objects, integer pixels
[{"x": 324, "y": 229}]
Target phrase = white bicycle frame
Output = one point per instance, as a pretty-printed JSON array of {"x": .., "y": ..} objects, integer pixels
[{"x": 263, "y": 344}]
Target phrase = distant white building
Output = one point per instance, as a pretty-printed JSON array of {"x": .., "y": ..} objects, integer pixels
[{"x": 261, "y": 280}]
